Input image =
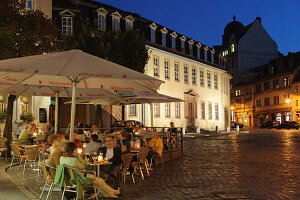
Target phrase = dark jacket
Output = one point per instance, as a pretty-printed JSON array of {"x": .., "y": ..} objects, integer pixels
[{"x": 116, "y": 159}]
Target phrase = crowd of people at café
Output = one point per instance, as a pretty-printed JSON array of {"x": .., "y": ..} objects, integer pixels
[{"x": 112, "y": 145}]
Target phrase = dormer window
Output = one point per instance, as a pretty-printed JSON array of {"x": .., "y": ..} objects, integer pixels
[
  {"x": 67, "y": 26},
  {"x": 191, "y": 49},
  {"x": 29, "y": 4},
  {"x": 182, "y": 45},
  {"x": 198, "y": 52},
  {"x": 205, "y": 54},
  {"x": 129, "y": 22},
  {"x": 232, "y": 48},
  {"x": 173, "y": 43},
  {"x": 153, "y": 28},
  {"x": 101, "y": 22},
  {"x": 115, "y": 24},
  {"x": 152, "y": 35},
  {"x": 163, "y": 39}
]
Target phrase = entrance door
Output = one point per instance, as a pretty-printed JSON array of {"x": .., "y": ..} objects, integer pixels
[{"x": 190, "y": 108}]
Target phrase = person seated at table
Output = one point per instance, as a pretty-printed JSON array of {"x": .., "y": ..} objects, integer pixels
[
  {"x": 54, "y": 141},
  {"x": 49, "y": 130},
  {"x": 33, "y": 129},
  {"x": 94, "y": 145},
  {"x": 112, "y": 154},
  {"x": 59, "y": 145},
  {"x": 155, "y": 144},
  {"x": 79, "y": 129},
  {"x": 125, "y": 143},
  {"x": 24, "y": 135},
  {"x": 129, "y": 127},
  {"x": 136, "y": 130},
  {"x": 46, "y": 145},
  {"x": 71, "y": 160},
  {"x": 95, "y": 129}
]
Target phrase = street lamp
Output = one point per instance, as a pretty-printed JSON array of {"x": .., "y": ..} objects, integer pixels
[
  {"x": 287, "y": 101},
  {"x": 231, "y": 108}
]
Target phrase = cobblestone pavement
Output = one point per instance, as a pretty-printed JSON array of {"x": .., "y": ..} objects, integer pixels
[{"x": 262, "y": 164}]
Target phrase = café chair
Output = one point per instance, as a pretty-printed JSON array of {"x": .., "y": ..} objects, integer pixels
[
  {"x": 49, "y": 175},
  {"x": 142, "y": 162},
  {"x": 126, "y": 160},
  {"x": 16, "y": 154},
  {"x": 3, "y": 147},
  {"x": 154, "y": 157},
  {"x": 40, "y": 138},
  {"x": 69, "y": 187},
  {"x": 33, "y": 156}
]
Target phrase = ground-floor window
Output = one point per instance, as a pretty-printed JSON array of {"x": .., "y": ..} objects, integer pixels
[
  {"x": 177, "y": 109},
  {"x": 156, "y": 110},
  {"x": 132, "y": 110},
  {"x": 216, "y": 111},
  {"x": 167, "y": 109},
  {"x": 202, "y": 110},
  {"x": 209, "y": 110}
]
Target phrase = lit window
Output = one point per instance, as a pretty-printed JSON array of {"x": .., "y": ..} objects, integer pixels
[
  {"x": 152, "y": 35},
  {"x": 163, "y": 39},
  {"x": 208, "y": 80},
  {"x": 201, "y": 77},
  {"x": 176, "y": 71},
  {"x": 28, "y": 3},
  {"x": 167, "y": 109},
  {"x": 132, "y": 110},
  {"x": 67, "y": 25},
  {"x": 237, "y": 92},
  {"x": 156, "y": 110},
  {"x": 202, "y": 110},
  {"x": 186, "y": 74},
  {"x": 115, "y": 24},
  {"x": 101, "y": 22},
  {"x": 191, "y": 49},
  {"x": 129, "y": 25},
  {"x": 167, "y": 69},
  {"x": 177, "y": 109},
  {"x": 205, "y": 55},
  {"x": 155, "y": 66},
  {"x": 198, "y": 52},
  {"x": 286, "y": 81},
  {"x": 182, "y": 45},
  {"x": 216, "y": 111},
  {"x": 216, "y": 81},
  {"x": 194, "y": 75},
  {"x": 232, "y": 48},
  {"x": 267, "y": 101},
  {"x": 209, "y": 110},
  {"x": 173, "y": 43}
]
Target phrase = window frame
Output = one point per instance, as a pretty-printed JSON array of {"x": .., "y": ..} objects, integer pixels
[
  {"x": 198, "y": 52},
  {"x": 152, "y": 35},
  {"x": 186, "y": 75},
  {"x": 168, "y": 114},
  {"x": 163, "y": 39},
  {"x": 156, "y": 105},
  {"x": 29, "y": 4},
  {"x": 216, "y": 81},
  {"x": 178, "y": 71},
  {"x": 130, "y": 110},
  {"x": 182, "y": 45},
  {"x": 202, "y": 79},
  {"x": 210, "y": 110},
  {"x": 205, "y": 54},
  {"x": 114, "y": 19},
  {"x": 173, "y": 42},
  {"x": 177, "y": 108},
  {"x": 202, "y": 104},
  {"x": 167, "y": 70},
  {"x": 104, "y": 21},
  {"x": 127, "y": 23},
  {"x": 66, "y": 25},
  {"x": 194, "y": 76},
  {"x": 208, "y": 78},
  {"x": 217, "y": 112},
  {"x": 154, "y": 66}
]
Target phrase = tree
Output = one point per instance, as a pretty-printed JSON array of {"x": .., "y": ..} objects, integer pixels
[{"x": 23, "y": 32}]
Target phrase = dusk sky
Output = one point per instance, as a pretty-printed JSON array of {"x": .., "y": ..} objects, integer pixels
[{"x": 205, "y": 20}]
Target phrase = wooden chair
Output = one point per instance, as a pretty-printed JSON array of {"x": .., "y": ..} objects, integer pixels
[
  {"x": 69, "y": 187},
  {"x": 3, "y": 147},
  {"x": 49, "y": 175},
  {"x": 33, "y": 156},
  {"x": 142, "y": 161},
  {"x": 154, "y": 157},
  {"x": 16, "y": 154},
  {"x": 40, "y": 139},
  {"x": 126, "y": 160}
]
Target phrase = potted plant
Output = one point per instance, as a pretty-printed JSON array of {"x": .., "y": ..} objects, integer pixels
[{"x": 27, "y": 117}]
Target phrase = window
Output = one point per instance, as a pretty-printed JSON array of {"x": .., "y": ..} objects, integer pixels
[
  {"x": 67, "y": 25},
  {"x": 202, "y": 110},
  {"x": 167, "y": 109},
  {"x": 167, "y": 69},
  {"x": 212, "y": 57},
  {"x": 176, "y": 71},
  {"x": 182, "y": 46},
  {"x": 275, "y": 83},
  {"x": 194, "y": 76},
  {"x": 163, "y": 39},
  {"x": 216, "y": 111},
  {"x": 297, "y": 103},
  {"x": 156, "y": 110},
  {"x": 173, "y": 43},
  {"x": 209, "y": 110},
  {"x": 115, "y": 24},
  {"x": 198, "y": 52},
  {"x": 191, "y": 49},
  {"x": 129, "y": 25},
  {"x": 201, "y": 77},
  {"x": 286, "y": 81},
  {"x": 267, "y": 101},
  {"x": 232, "y": 48},
  {"x": 258, "y": 88},
  {"x": 101, "y": 22},
  {"x": 155, "y": 66},
  {"x": 226, "y": 85},
  {"x": 208, "y": 80},
  {"x": 132, "y": 110},
  {"x": 186, "y": 74},
  {"x": 258, "y": 103},
  {"x": 276, "y": 100},
  {"x": 216, "y": 81},
  {"x": 28, "y": 3},
  {"x": 205, "y": 55},
  {"x": 152, "y": 35},
  {"x": 177, "y": 109},
  {"x": 237, "y": 93},
  {"x": 266, "y": 86}
]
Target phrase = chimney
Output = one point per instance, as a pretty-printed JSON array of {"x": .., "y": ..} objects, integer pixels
[{"x": 259, "y": 19}]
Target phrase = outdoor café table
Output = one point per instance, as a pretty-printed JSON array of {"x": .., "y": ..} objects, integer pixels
[
  {"x": 25, "y": 146},
  {"x": 98, "y": 165}
]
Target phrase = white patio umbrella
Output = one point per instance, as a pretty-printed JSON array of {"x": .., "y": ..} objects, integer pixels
[
  {"x": 74, "y": 69},
  {"x": 132, "y": 97},
  {"x": 26, "y": 90}
]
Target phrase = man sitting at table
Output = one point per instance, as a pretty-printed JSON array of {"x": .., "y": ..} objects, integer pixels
[
  {"x": 155, "y": 144},
  {"x": 58, "y": 144},
  {"x": 94, "y": 145},
  {"x": 125, "y": 142},
  {"x": 112, "y": 154},
  {"x": 49, "y": 130},
  {"x": 24, "y": 135}
]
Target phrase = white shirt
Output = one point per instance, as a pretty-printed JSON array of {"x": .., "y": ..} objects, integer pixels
[
  {"x": 109, "y": 153},
  {"x": 92, "y": 147}
]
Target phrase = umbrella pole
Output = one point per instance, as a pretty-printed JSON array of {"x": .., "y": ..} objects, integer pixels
[
  {"x": 73, "y": 111},
  {"x": 151, "y": 113},
  {"x": 56, "y": 112}
]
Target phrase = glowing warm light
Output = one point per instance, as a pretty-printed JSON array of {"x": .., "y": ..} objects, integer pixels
[
  {"x": 79, "y": 151},
  {"x": 34, "y": 134},
  {"x": 40, "y": 131},
  {"x": 84, "y": 145},
  {"x": 100, "y": 158},
  {"x": 287, "y": 101},
  {"x": 232, "y": 108},
  {"x": 138, "y": 145}
]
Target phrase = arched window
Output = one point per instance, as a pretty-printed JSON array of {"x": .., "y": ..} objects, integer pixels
[{"x": 232, "y": 48}]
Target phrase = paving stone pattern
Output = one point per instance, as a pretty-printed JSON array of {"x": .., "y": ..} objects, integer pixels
[{"x": 263, "y": 164}]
